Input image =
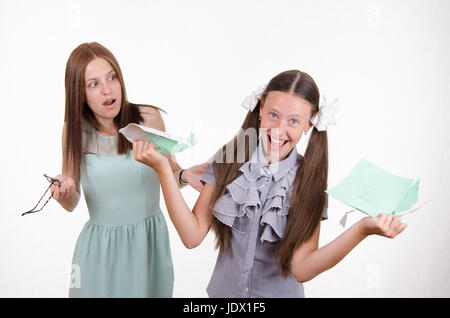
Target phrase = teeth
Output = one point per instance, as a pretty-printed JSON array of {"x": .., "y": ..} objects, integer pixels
[{"x": 277, "y": 142}]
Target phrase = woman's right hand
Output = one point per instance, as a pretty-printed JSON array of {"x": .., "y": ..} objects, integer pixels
[
  {"x": 386, "y": 225},
  {"x": 64, "y": 190},
  {"x": 193, "y": 174}
]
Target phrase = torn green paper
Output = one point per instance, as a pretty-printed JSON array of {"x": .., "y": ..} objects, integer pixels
[
  {"x": 166, "y": 144},
  {"x": 373, "y": 190}
]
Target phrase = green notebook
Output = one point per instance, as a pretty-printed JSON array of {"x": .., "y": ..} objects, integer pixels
[
  {"x": 373, "y": 190},
  {"x": 166, "y": 143}
]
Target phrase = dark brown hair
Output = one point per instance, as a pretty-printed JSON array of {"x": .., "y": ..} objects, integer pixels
[
  {"x": 308, "y": 199},
  {"x": 76, "y": 107}
]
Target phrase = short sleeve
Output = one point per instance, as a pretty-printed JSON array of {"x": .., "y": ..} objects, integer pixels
[
  {"x": 325, "y": 209},
  {"x": 209, "y": 177}
]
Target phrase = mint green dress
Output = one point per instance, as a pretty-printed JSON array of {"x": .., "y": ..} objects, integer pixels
[{"x": 123, "y": 250}]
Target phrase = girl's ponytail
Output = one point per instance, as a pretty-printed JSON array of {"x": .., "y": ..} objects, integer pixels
[
  {"x": 308, "y": 199},
  {"x": 226, "y": 165}
]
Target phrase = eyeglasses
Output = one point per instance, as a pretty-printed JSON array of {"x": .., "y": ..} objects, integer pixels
[{"x": 52, "y": 181}]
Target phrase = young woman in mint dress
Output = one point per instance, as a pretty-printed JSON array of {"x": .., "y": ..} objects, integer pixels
[{"x": 123, "y": 250}]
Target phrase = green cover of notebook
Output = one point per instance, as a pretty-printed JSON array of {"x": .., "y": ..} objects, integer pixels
[
  {"x": 166, "y": 143},
  {"x": 373, "y": 190}
]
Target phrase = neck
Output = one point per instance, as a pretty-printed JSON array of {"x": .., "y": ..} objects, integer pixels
[
  {"x": 271, "y": 159},
  {"x": 106, "y": 126}
]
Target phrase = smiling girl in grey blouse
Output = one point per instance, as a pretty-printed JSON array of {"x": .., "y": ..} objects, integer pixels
[{"x": 266, "y": 209}]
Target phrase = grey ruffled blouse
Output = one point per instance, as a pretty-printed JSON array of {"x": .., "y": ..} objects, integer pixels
[{"x": 255, "y": 206}]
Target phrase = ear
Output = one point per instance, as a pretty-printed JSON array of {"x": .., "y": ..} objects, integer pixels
[
  {"x": 309, "y": 124},
  {"x": 261, "y": 106},
  {"x": 308, "y": 127}
]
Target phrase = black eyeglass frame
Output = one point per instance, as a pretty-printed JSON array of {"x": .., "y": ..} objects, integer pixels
[{"x": 52, "y": 181}]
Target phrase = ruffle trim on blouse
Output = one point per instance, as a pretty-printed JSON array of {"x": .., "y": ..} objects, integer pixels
[{"x": 243, "y": 197}]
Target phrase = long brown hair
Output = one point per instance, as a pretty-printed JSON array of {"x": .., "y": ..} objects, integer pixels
[
  {"x": 76, "y": 107},
  {"x": 308, "y": 199}
]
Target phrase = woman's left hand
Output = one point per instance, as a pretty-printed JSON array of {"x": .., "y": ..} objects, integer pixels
[
  {"x": 146, "y": 153},
  {"x": 193, "y": 175}
]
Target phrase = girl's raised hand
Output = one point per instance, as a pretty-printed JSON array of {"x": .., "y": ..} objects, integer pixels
[
  {"x": 146, "y": 153},
  {"x": 66, "y": 189},
  {"x": 386, "y": 225}
]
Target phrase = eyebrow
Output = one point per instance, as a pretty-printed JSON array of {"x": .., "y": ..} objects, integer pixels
[
  {"x": 94, "y": 78},
  {"x": 293, "y": 115}
]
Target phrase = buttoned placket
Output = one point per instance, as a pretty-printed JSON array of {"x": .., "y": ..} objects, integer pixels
[{"x": 254, "y": 230}]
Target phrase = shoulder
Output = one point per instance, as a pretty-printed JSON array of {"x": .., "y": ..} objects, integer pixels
[
  {"x": 86, "y": 127},
  {"x": 151, "y": 117},
  {"x": 148, "y": 109}
]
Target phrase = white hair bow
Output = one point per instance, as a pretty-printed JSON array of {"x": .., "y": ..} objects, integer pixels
[
  {"x": 323, "y": 118},
  {"x": 325, "y": 115},
  {"x": 251, "y": 100}
]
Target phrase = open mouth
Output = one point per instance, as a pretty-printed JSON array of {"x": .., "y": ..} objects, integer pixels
[
  {"x": 277, "y": 143},
  {"x": 109, "y": 102}
]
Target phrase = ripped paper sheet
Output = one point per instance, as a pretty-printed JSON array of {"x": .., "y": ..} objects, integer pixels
[
  {"x": 373, "y": 190},
  {"x": 166, "y": 144}
]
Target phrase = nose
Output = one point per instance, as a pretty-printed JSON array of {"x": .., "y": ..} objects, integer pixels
[
  {"x": 106, "y": 89},
  {"x": 279, "y": 130}
]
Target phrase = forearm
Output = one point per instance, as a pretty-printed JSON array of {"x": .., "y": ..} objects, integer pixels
[
  {"x": 184, "y": 220},
  {"x": 305, "y": 268}
]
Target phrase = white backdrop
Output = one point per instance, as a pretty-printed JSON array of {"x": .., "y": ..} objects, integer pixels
[{"x": 387, "y": 62}]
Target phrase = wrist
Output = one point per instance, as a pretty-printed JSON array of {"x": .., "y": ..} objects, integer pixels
[
  {"x": 161, "y": 165},
  {"x": 163, "y": 170},
  {"x": 70, "y": 202},
  {"x": 363, "y": 228},
  {"x": 182, "y": 180}
]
